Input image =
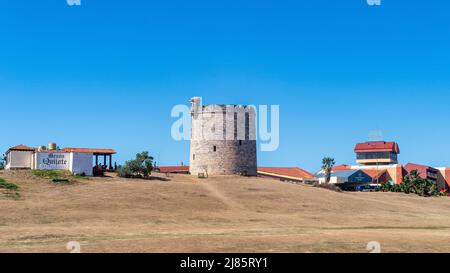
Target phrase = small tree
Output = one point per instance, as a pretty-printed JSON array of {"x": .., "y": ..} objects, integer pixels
[
  {"x": 140, "y": 167},
  {"x": 2, "y": 162},
  {"x": 327, "y": 166}
]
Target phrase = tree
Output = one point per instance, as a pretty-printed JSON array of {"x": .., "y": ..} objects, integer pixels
[
  {"x": 140, "y": 167},
  {"x": 327, "y": 166},
  {"x": 2, "y": 162}
]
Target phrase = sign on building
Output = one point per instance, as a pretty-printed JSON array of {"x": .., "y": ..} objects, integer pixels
[{"x": 53, "y": 161}]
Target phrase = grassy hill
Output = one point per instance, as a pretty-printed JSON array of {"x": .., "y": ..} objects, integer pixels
[{"x": 220, "y": 214}]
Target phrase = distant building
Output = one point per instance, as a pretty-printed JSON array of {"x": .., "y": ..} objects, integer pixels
[
  {"x": 377, "y": 153},
  {"x": 287, "y": 174},
  {"x": 173, "y": 169},
  {"x": 379, "y": 173},
  {"x": 379, "y": 160},
  {"x": 349, "y": 176},
  {"x": 425, "y": 172},
  {"x": 75, "y": 160},
  {"x": 444, "y": 178}
]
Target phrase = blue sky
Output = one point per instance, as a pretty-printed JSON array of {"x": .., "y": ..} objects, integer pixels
[{"x": 107, "y": 73}]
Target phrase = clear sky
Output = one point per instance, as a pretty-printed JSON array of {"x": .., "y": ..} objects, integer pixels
[{"x": 107, "y": 73}]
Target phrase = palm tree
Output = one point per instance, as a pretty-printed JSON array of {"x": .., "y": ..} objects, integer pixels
[{"x": 327, "y": 166}]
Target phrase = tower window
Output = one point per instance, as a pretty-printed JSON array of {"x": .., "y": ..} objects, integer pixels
[
  {"x": 193, "y": 157},
  {"x": 215, "y": 148}
]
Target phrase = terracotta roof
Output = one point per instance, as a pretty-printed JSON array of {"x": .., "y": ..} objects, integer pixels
[
  {"x": 89, "y": 151},
  {"x": 173, "y": 169},
  {"x": 21, "y": 147},
  {"x": 377, "y": 146},
  {"x": 341, "y": 168},
  {"x": 288, "y": 172},
  {"x": 374, "y": 173},
  {"x": 411, "y": 166}
]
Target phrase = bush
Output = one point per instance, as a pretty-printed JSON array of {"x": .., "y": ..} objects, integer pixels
[
  {"x": 413, "y": 184},
  {"x": 2, "y": 162},
  {"x": 141, "y": 167},
  {"x": 8, "y": 186}
]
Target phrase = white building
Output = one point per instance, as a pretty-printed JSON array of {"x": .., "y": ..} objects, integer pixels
[
  {"x": 75, "y": 160},
  {"x": 341, "y": 177}
]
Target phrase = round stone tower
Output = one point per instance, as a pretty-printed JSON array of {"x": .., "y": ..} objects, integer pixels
[{"x": 223, "y": 139}]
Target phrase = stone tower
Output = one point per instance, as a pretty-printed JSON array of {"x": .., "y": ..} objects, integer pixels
[{"x": 223, "y": 139}]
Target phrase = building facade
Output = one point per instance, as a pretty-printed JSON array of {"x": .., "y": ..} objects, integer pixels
[
  {"x": 379, "y": 160},
  {"x": 76, "y": 160},
  {"x": 377, "y": 153},
  {"x": 349, "y": 176},
  {"x": 223, "y": 139}
]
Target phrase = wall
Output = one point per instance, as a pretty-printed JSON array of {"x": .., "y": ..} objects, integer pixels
[
  {"x": 81, "y": 163},
  {"x": 333, "y": 180},
  {"x": 20, "y": 160},
  {"x": 395, "y": 171},
  {"x": 443, "y": 178}
]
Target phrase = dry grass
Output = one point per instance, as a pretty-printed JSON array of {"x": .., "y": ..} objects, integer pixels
[{"x": 221, "y": 214}]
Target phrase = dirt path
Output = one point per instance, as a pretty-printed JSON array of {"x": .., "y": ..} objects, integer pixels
[{"x": 214, "y": 191}]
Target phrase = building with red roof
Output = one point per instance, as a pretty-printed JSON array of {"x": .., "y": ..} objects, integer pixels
[
  {"x": 286, "y": 174},
  {"x": 377, "y": 153},
  {"x": 425, "y": 172},
  {"x": 76, "y": 160},
  {"x": 173, "y": 169}
]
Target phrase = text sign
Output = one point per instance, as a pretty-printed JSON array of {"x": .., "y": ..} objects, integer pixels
[{"x": 53, "y": 161}]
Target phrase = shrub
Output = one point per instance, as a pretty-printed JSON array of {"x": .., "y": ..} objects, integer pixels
[
  {"x": 7, "y": 185},
  {"x": 2, "y": 162},
  {"x": 141, "y": 167},
  {"x": 413, "y": 184}
]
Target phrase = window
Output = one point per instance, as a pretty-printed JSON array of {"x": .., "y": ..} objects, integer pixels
[
  {"x": 240, "y": 142},
  {"x": 377, "y": 155},
  {"x": 193, "y": 157},
  {"x": 215, "y": 149}
]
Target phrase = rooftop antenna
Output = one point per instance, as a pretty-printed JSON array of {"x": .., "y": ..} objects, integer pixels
[{"x": 376, "y": 135}]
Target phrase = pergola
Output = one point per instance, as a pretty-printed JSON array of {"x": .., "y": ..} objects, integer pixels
[{"x": 105, "y": 153}]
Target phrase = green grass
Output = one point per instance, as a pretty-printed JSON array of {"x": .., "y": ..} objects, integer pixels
[
  {"x": 7, "y": 185},
  {"x": 52, "y": 174},
  {"x": 59, "y": 176},
  {"x": 62, "y": 181},
  {"x": 82, "y": 177}
]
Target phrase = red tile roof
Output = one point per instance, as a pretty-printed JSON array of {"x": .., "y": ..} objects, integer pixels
[
  {"x": 341, "y": 168},
  {"x": 21, "y": 147},
  {"x": 173, "y": 169},
  {"x": 412, "y": 166},
  {"x": 89, "y": 151},
  {"x": 290, "y": 172},
  {"x": 65, "y": 150},
  {"x": 377, "y": 146}
]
